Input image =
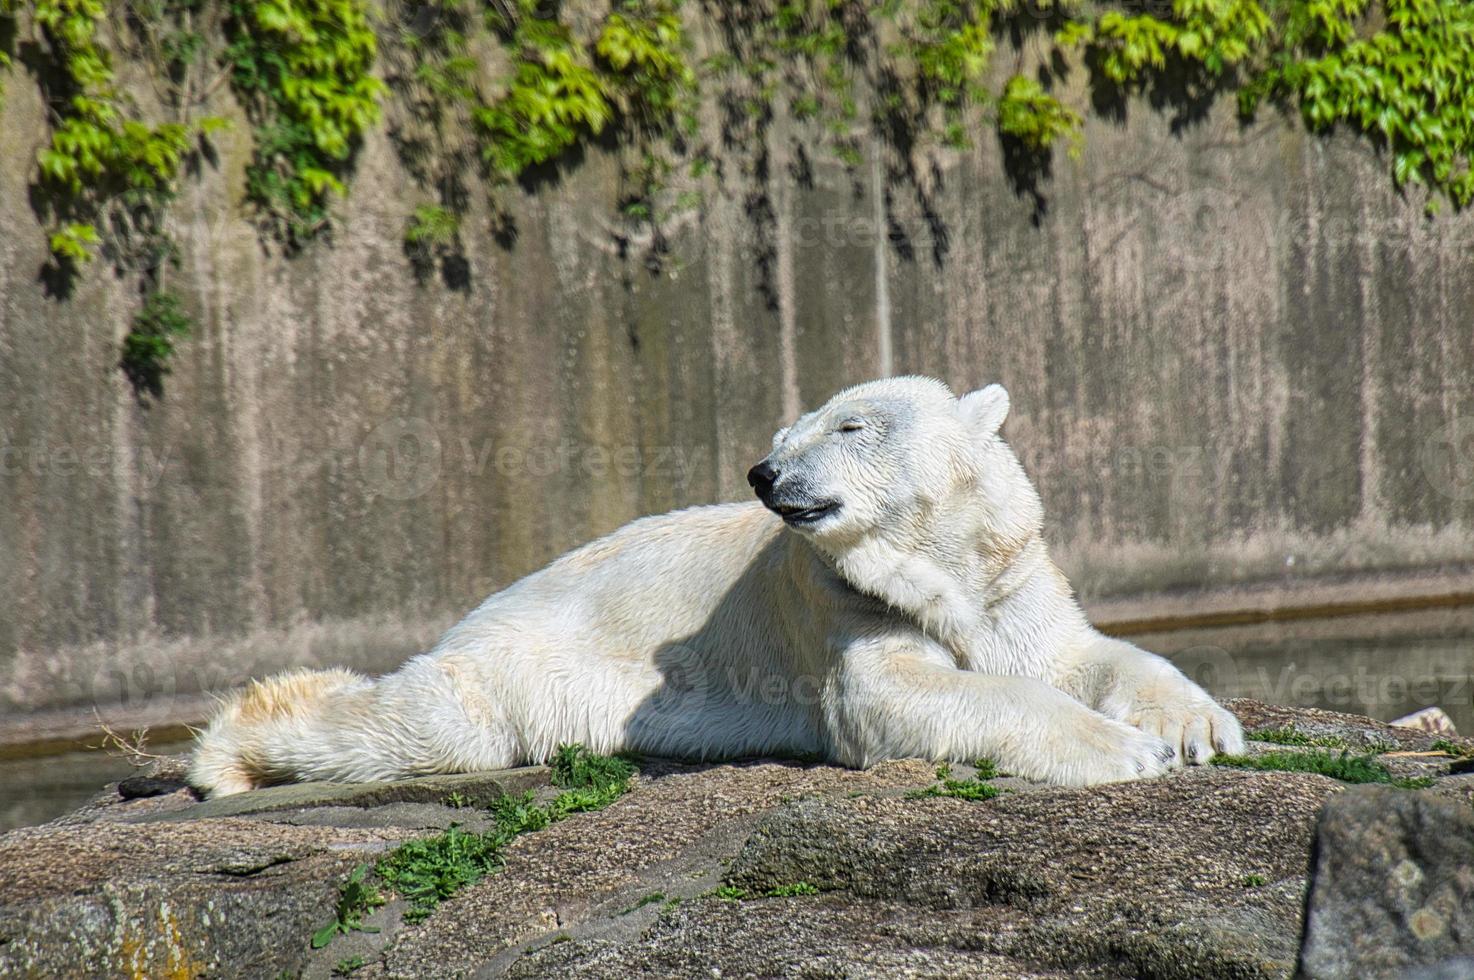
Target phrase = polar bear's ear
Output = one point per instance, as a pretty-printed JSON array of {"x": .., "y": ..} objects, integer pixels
[
  {"x": 778, "y": 436},
  {"x": 985, "y": 409}
]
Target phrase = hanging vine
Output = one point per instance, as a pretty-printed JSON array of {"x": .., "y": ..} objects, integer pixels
[
  {"x": 107, "y": 175},
  {"x": 302, "y": 67},
  {"x": 104, "y": 163},
  {"x": 1400, "y": 72},
  {"x": 8, "y": 10}
]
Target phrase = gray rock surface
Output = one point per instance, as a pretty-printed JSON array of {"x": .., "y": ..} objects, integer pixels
[
  {"x": 1393, "y": 886},
  {"x": 1199, "y": 874}
]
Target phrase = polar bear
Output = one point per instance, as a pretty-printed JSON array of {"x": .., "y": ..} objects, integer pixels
[{"x": 889, "y": 595}]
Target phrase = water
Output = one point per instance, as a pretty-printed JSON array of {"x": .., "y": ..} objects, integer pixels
[
  {"x": 1384, "y": 666},
  {"x": 41, "y": 789}
]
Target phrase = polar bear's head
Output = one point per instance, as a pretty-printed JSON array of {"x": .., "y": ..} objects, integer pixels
[{"x": 895, "y": 456}]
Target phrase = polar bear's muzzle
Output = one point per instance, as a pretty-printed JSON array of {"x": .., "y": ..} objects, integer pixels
[
  {"x": 797, "y": 509},
  {"x": 804, "y": 516}
]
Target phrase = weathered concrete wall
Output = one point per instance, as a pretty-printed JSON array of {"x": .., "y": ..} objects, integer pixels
[{"x": 1235, "y": 356}]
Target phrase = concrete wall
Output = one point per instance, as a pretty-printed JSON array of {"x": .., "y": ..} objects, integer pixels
[{"x": 1235, "y": 355}]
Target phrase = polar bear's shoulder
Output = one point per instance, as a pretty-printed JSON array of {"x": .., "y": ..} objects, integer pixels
[
  {"x": 726, "y": 532},
  {"x": 706, "y": 545}
]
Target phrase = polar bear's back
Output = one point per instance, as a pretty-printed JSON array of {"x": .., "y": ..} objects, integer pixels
[
  {"x": 651, "y": 581},
  {"x": 634, "y": 640}
]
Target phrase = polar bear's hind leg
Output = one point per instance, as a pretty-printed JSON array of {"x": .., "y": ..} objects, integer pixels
[{"x": 264, "y": 733}]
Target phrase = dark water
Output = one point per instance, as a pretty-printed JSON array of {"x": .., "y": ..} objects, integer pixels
[
  {"x": 1383, "y": 666},
  {"x": 34, "y": 791}
]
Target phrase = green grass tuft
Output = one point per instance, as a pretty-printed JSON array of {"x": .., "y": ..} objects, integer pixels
[
  {"x": 649, "y": 899},
  {"x": 1345, "y": 767},
  {"x": 577, "y": 769},
  {"x": 789, "y": 891},
  {"x": 427, "y": 871},
  {"x": 729, "y": 893},
  {"x": 355, "y": 900},
  {"x": 976, "y": 788},
  {"x": 1452, "y": 748},
  {"x": 1290, "y": 735}
]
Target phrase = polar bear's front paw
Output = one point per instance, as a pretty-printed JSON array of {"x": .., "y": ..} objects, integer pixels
[
  {"x": 1128, "y": 752},
  {"x": 1106, "y": 751},
  {"x": 1196, "y": 728}
]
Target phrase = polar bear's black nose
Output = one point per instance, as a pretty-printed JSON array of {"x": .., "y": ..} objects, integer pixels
[{"x": 761, "y": 478}]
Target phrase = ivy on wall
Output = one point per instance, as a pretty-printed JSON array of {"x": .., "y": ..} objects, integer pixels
[
  {"x": 302, "y": 67},
  {"x": 554, "y": 98},
  {"x": 1409, "y": 86},
  {"x": 8, "y": 10},
  {"x": 107, "y": 174},
  {"x": 1400, "y": 72},
  {"x": 101, "y": 154},
  {"x": 561, "y": 87}
]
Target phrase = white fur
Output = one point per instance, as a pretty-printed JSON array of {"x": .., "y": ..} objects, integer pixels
[{"x": 922, "y": 618}]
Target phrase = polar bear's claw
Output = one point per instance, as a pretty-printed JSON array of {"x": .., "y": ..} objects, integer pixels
[
  {"x": 1228, "y": 734},
  {"x": 1112, "y": 752},
  {"x": 1197, "y": 729},
  {"x": 1163, "y": 758}
]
